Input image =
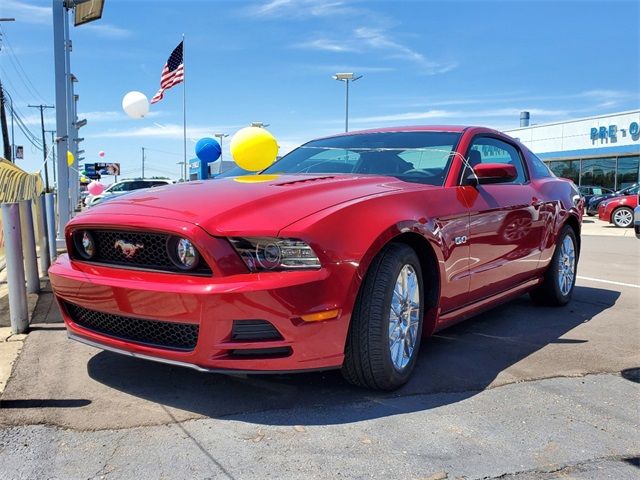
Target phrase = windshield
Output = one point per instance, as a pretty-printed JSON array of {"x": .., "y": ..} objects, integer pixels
[{"x": 422, "y": 157}]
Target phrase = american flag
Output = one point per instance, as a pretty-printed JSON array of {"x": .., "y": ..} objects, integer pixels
[{"x": 172, "y": 73}]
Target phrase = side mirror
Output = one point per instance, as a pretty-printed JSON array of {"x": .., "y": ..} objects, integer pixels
[{"x": 487, "y": 173}]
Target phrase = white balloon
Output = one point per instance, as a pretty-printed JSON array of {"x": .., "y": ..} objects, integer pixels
[{"x": 135, "y": 104}]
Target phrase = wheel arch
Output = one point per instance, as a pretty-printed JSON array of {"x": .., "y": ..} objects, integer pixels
[
  {"x": 429, "y": 262},
  {"x": 575, "y": 225}
]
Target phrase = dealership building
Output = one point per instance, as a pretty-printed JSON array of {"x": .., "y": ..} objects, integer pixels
[{"x": 603, "y": 150}]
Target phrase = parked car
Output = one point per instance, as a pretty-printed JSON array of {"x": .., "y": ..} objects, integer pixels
[
  {"x": 124, "y": 186},
  {"x": 636, "y": 218},
  {"x": 618, "y": 211},
  {"x": 343, "y": 254},
  {"x": 588, "y": 191},
  {"x": 594, "y": 202}
]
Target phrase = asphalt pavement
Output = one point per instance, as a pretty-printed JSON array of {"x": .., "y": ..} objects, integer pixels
[{"x": 518, "y": 392}]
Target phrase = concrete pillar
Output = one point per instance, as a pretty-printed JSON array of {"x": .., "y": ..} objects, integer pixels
[
  {"x": 18, "y": 312},
  {"x": 29, "y": 247}
]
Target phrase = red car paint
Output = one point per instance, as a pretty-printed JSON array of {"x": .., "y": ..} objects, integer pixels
[
  {"x": 510, "y": 234},
  {"x": 606, "y": 208}
]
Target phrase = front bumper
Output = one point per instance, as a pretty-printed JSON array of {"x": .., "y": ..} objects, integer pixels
[
  {"x": 214, "y": 303},
  {"x": 603, "y": 213},
  {"x": 636, "y": 220}
]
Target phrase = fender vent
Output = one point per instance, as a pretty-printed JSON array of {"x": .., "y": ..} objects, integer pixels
[{"x": 254, "y": 331}]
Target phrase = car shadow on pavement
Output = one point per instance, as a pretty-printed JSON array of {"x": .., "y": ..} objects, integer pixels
[{"x": 454, "y": 364}]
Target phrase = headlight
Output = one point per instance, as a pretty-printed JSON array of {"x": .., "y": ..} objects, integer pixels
[
  {"x": 264, "y": 254},
  {"x": 84, "y": 243},
  {"x": 183, "y": 253}
]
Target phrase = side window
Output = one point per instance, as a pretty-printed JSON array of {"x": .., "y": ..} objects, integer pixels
[
  {"x": 121, "y": 187},
  {"x": 538, "y": 167},
  {"x": 491, "y": 150}
]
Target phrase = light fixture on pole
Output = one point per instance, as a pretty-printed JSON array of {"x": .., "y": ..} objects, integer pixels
[{"x": 346, "y": 78}]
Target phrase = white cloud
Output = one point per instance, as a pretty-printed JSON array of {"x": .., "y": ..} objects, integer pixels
[
  {"x": 169, "y": 131},
  {"x": 25, "y": 12},
  {"x": 327, "y": 45},
  {"x": 299, "y": 8},
  {"x": 105, "y": 30},
  {"x": 333, "y": 68},
  {"x": 468, "y": 114}
]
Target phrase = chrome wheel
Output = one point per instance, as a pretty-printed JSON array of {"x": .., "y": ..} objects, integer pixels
[
  {"x": 567, "y": 265},
  {"x": 622, "y": 217},
  {"x": 404, "y": 318}
]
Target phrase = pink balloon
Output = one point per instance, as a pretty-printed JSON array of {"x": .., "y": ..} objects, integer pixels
[
  {"x": 95, "y": 188},
  {"x": 101, "y": 153}
]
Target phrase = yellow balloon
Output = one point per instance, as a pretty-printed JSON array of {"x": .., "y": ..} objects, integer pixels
[
  {"x": 70, "y": 158},
  {"x": 254, "y": 148}
]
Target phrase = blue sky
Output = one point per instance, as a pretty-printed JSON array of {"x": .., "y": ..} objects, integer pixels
[{"x": 424, "y": 62}]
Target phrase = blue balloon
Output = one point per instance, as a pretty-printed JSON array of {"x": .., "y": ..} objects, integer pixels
[{"x": 208, "y": 150}]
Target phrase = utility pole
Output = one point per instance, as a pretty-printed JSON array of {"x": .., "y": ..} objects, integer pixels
[
  {"x": 142, "y": 162},
  {"x": 44, "y": 143},
  {"x": 8, "y": 150},
  {"x": 8, "y": 154}
]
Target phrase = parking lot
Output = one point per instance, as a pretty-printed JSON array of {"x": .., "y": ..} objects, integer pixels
[{"x": 518, "y": 392}]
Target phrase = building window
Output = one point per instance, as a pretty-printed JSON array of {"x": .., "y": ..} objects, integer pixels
[
  {"x": 567, "y": 169},
  {"x": 600, "y": 172},
  {"x": 627, "y": 171}
]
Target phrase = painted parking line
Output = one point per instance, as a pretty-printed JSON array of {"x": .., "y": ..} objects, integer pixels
[{"x": 622, "y": 284}]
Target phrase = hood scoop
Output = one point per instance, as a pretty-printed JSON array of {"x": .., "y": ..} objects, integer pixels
[{"x": 302, "y": 180}]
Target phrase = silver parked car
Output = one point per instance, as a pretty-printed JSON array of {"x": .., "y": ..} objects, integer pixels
[{"x": 123, "y": 187}]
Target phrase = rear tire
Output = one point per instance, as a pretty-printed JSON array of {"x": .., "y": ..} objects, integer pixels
[
  {"x": 560, "y": 277},
  {"x": 622, "y": 217},
  {"x": 386, "y": 325}
]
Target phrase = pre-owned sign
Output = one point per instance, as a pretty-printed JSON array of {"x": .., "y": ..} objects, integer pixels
[{"x": 611, "y": 131}]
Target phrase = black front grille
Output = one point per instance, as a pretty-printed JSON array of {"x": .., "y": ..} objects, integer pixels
[
  {"x": 117, "y": 248},
  {"x": 173, "y": 336},
  {"x": 254, "y": 330}
]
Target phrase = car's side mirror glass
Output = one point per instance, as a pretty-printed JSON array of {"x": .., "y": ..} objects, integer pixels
[{"x": 487, "y": 173}]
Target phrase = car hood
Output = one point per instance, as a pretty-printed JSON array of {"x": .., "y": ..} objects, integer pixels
[{"x": 257, "y": 205}]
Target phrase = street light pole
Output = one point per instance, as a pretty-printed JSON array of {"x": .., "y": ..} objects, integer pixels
[
  {"x": 143, "y": 162},
  {"x": 220, "y": 137},
  {"x": 346, "y": 78}
]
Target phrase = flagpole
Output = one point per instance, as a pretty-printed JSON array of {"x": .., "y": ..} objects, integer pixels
[{"x": 184, "y": 110}]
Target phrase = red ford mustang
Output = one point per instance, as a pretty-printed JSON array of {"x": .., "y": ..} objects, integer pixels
[{"x": 343, "y": 254}]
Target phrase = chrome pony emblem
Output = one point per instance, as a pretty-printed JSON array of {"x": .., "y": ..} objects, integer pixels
[{"x": 129, "y": 250}]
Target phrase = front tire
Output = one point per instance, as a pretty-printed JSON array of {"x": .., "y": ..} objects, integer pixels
[
  {"x": 386, "y": 325},
  {"x": 560, "y": 277},
  {"x": 622, "y": 217}
]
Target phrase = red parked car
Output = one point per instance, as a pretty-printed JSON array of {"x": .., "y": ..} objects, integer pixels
[
  {"x": 343, "y": 254},
  {"x": 618, "y": 211}
]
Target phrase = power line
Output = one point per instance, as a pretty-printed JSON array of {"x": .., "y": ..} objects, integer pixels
[
  {"x": 31, "y": 137},
  {"x": 44, "y": 141},
  {"x": 19, "y": 69}
]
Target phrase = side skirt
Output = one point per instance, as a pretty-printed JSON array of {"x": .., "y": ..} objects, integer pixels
[{"x": 463, "y": 313}]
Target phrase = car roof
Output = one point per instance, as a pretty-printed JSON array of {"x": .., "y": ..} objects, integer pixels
[{"x": 416, "y": 128}]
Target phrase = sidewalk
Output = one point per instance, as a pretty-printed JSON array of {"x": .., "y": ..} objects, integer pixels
[
  {"x": 593, "y": 226},
  {"x": 11, "y": 344}
]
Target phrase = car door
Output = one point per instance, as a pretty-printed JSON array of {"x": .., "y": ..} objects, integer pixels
[{"x": 505, "y": 222}]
